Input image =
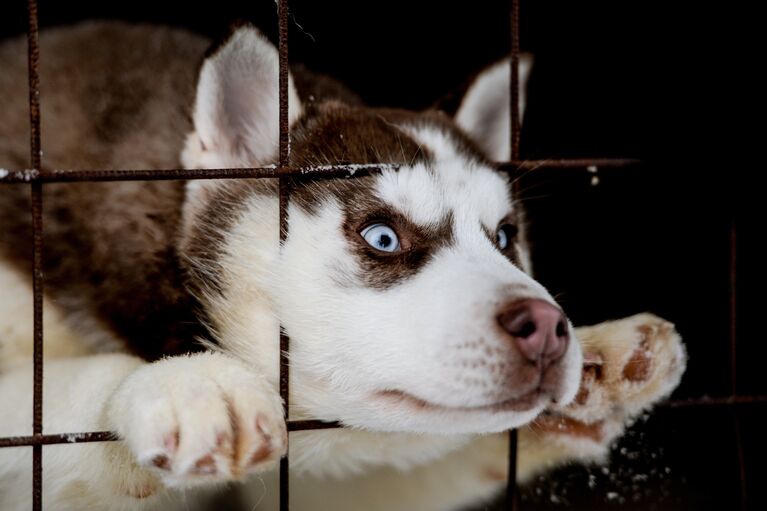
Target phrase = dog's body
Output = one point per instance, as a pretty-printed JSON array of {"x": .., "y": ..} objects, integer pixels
[{"x": 401, "y": 292}]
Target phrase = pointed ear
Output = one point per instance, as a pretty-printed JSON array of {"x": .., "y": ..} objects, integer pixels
[
  {"x": 486, "y": 108},
  {"x": 236, "y": 111}
]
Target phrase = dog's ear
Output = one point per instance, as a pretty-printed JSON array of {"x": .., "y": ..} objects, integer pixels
[
  {"x": 236, "y": 111},
  {"x": 485, "y": 110}
]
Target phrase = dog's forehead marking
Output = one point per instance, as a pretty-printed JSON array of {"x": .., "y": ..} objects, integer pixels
[
  {"x": 451, "y": 183},
  {"x": 414, "y": 191}
]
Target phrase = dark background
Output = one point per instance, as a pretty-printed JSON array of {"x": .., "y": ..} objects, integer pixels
[{"x": 654, "y": 237}]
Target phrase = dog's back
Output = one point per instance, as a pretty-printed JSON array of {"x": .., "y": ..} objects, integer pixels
[{"x": 113, "y": 96}]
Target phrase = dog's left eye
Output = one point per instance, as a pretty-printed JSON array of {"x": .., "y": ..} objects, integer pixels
[
  {"x": 381, "y": 237},
  {"x": 505, "y": 235}
]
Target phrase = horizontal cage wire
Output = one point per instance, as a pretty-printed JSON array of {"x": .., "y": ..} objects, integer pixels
[
  {"x": 310, "y": 425},
  {"x": 36, "y": 176},
  {"x": 514, "y": 167}
]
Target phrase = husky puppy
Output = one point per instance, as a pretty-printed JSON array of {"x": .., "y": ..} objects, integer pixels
[{"x": 407, "y": 294}]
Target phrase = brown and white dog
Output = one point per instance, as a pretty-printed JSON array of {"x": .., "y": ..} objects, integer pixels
[{"x": 407, "y": 295}]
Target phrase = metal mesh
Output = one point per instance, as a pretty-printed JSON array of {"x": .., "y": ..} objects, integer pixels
[{"x": 36, "y": 176}]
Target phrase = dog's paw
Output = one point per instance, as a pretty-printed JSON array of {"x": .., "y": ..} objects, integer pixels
[
  {"x": 199, "y": 419},
  {"x": 629, "y": 365}
]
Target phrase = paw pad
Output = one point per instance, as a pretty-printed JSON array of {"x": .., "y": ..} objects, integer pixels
[
  {"x": 204, "y": 466},
  {"x": 161, "y": 461},
  {"x": 639, "y": 366},
  {"x": 264, "y": 450}
]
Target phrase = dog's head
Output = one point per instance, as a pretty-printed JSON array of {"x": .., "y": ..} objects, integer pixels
[{"x": 406, "y": 293}]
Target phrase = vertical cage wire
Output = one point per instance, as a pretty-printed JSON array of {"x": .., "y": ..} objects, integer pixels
[
  {"x": 514, "y": 123},
  {"x": 35, "y": 161},
  {"x": 734, "y": 359},
  {"x": 284, "y": 150}
]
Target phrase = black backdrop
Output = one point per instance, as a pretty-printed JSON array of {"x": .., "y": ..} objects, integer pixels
[{"x": 654, "y": 237}]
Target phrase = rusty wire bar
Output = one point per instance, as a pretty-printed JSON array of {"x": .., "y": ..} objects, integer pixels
[
  {"x": 514, "y": 82},
  {"x": 733, "y": 309},
  {"x": 98, "y": 175},
  {"x": 511, "y": 478},
  {"x": 270, "y": 172},
  {"x": 62, "y": 438},
  {"x": 35, "y": 157},
  {"x": 322, "y": 172},
  {"x": 515, "y": 124},
  {"x": 285, "y": 184},
  {"x": 705, "y": 402},
  {"x": 568, "y": 163},
  {"x": 312, "y": 425},
  {"x": 308, "y": 425},
  {"x": 741, "y": 462},
  {"x": 734, "y": 359}
]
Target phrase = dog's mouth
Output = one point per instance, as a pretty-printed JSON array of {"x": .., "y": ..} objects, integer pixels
[{"x": 523, "y": 403}]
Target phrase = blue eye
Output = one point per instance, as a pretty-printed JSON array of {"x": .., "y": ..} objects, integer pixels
[
  {"x": 381, "y": 237},
  {"x": 505, "y": 234}
]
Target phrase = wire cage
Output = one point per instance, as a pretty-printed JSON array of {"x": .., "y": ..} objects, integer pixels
[{"x": 37, "y": 175}]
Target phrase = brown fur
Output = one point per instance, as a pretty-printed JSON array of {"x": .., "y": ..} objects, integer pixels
[
  {"x": 114, "y": 251},
  {"x": 334, "y": 133},
  {"x": 124, "y": 267},
  {"x": 109, "y": 247},
  {"x": 201, "y": 246}
]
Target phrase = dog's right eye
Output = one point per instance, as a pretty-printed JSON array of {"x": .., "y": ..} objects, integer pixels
[
  {"x": 381, "y": 237},
  {"x": 505, "y": 235}
]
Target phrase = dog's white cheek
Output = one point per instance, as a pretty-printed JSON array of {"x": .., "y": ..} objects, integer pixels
[
  {"x": 444, "y": 341},
  {"x": 349, "y": 336},
  {"x": 311, "y": 287}
]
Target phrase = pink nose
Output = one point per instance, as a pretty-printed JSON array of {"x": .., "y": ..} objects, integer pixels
[{"x": 539, "y": 330}]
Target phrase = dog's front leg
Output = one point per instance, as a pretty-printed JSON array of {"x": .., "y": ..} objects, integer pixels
[{"x": 186, "y": 423}]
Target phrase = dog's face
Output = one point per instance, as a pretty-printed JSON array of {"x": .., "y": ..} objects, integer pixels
[{"x": 405, "y": 293}]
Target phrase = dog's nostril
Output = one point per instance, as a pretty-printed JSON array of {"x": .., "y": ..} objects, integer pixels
[
  {"x": 538, "y": 329},
  {"x": 526, "y": 330}
]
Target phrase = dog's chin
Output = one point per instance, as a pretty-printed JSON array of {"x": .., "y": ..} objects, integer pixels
[
  {"x": 522, "y": 403},
  {"x": 403, "y": 412}
]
